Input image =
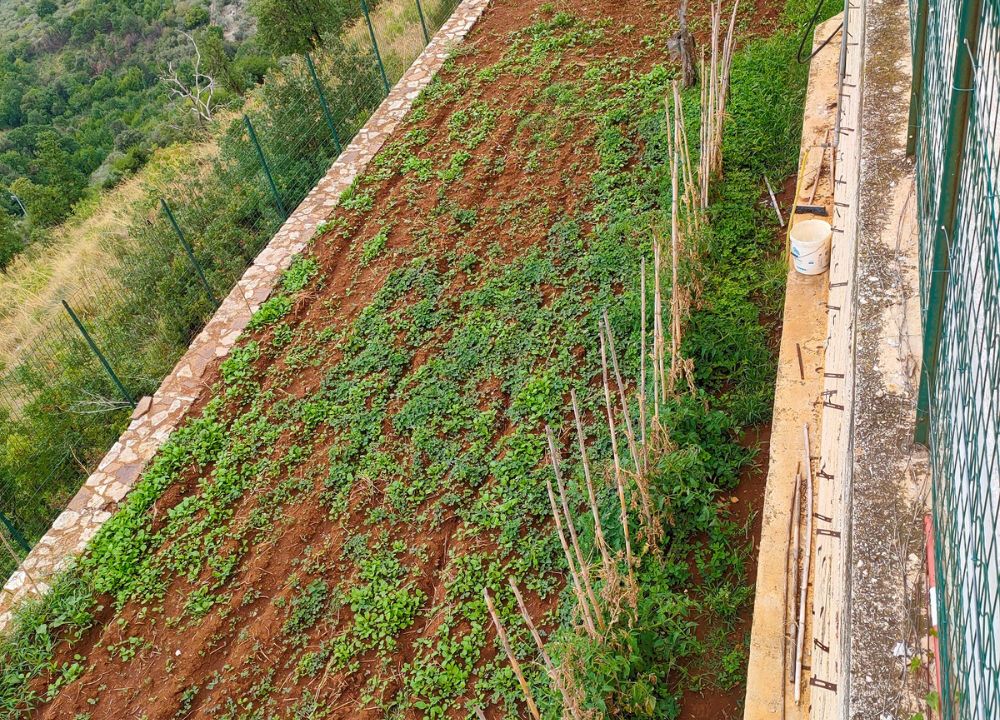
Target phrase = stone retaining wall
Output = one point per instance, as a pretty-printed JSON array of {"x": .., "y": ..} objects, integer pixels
[{"x": 156, "y": 417}]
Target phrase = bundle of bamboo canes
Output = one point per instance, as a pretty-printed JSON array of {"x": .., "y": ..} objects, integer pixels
[{"x": 714, "y": 95}]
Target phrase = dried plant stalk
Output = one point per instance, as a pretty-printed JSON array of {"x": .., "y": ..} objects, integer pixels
[
  {"x": 584, "y": 569},
  {"x": 642, "y": 357},
  {"x": 581, "y": 596},
  {"x": 614, "y": 450},
  {"x": 715, "y": 95},
  {"x": 514, "y": 664},
  {"x": 629, "y": 430},
  {"x": 602, "y": 544},
  {"x": 658, "y": 341}
]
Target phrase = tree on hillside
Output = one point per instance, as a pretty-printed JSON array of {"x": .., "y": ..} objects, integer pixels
[
  {"x": 59, "y": 184},
  {"x": 289, "y": 27},
  {"x": 218, "y": 63},
  {"x": 10, "y": 240},
  {"x": 45, "y": 8},
  {"x": 196, "y": 89}
]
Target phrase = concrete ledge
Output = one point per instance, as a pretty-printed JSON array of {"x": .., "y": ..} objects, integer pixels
[
  {"x": 800, "y": 384},
  {"x": 167, "y": 409}
]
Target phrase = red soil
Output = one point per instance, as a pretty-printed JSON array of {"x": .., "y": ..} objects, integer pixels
[{"x": 229, "y": 647}]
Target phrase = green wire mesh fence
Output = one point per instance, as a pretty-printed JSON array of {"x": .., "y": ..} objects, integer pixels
[
  {"x": 955, "y": 133},
  {"x": 61, "y": 406}
]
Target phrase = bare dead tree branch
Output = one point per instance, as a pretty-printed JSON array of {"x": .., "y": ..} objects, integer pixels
[{"x": 199, "y": 93}]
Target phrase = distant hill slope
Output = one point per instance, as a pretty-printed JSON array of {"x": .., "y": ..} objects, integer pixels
[{"x": 80, "y": 98}]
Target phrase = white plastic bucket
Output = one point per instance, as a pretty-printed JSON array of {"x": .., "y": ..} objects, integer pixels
[{"x": 811, "y": 246}]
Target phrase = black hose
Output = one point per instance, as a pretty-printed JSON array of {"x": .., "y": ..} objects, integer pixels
[{"x": 807, "y": 33}]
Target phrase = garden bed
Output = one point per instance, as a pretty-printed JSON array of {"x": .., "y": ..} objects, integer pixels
[{"x": 315, "y": 541}]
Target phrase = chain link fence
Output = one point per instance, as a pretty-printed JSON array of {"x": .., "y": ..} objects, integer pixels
[
  {"x": 955, "y": 135},
  {"x": 69, "y": 381}
]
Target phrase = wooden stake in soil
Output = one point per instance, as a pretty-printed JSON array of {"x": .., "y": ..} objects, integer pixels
[
  {"x": 629, "y": 431},
  {"x": 650, "y": 524},
  {"x": 774, "y": 202},
  {"x": 714, "y": 97},
  {"x": 804, "y": 583},
  {"x": 514, "y": 664},
  {"x": 569, "y": 702},
  {"x": 546, "y": 660},
  {"x": 685, "y": 47},
  {"x": 659, "y": 373}
]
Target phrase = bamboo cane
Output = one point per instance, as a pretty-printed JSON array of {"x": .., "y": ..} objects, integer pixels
[
  {"x": 629, "y": 430},
  {"x": 514, "y": 664},
  {"x": 642, "y": 358},
  {"x": 581, "y": 596},
  {"x": 602, "y": 544},
  {"x": 617, "y": 461},
  {"x": 571, "y": 526},
  {"x": 795, "y": 530}
]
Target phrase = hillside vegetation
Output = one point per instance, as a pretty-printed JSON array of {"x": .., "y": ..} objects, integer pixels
[
  {"x": 89, "y": 88},
  {"x": 315, "y": 542},
  {"x": 81, "y": 97}
]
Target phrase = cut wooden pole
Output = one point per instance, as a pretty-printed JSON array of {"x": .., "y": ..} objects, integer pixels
[
  {"x": 629, "y": 430},
  {"x": 703, "y": 160},
  {"x": 723, "y": 89},
  {"x": 546, "y": 660},
  {"x": 514, "y": 664},
  {"x": 690, "y": 195},
  {"x": 804, "y": 582},
  {"x": 675, "y": 299},
  {"x": 659, "y": 348}
]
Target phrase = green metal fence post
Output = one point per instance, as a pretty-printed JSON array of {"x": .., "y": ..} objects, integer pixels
[
  {"x": 14, "y": 532},
  {"x": 100, "y": 356},
  {"x": 917, "y": 86},
  {"x": 970, "y": 16},
  {"x": 378, "y": 55},
  {"x": 265, "y": 167},
  {"x": 326, "y": 108},
  {"x": 423, "y": 23},
  {"x": 189, "y": 252}
]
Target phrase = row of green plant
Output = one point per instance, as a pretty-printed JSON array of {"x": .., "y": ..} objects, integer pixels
[
  {"x": 58, "y": 409},
  {"x": 425, "y": 417}
]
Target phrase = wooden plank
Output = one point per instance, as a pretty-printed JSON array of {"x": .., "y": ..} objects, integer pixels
[{"x": 832, "y": 464}]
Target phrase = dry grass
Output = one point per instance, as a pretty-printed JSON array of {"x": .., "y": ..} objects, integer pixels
[
  {"x": 397, "y": 27},
  {"x": 82, "y": 251}
]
